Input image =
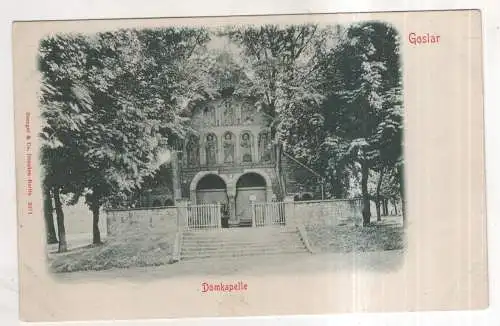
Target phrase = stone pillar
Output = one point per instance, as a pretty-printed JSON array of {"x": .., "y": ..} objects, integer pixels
[
  {"x": 182, "y": 213},
  {"x": 220, "y": 147},
  {"x": 290, "y": 218},
  {"x": 255, "y": 147},
  {"x": 269, "y": 194},
  {"x": 192, "y": 196},
  {"x": 237, "y": 149},
  {"x": 232, "y": 208},
  {"x": 175, "y": 176},
  {"x": 203, "y": 155}
]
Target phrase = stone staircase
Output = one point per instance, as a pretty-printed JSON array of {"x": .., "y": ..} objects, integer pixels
[
  {"x": 237, "y": 242},
  {"x": 245, "y": 222}
]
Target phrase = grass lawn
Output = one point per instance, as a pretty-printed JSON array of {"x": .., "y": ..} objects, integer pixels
[
  {"x": 133, "y": 248},
  {"x": 344, "y": 238}
]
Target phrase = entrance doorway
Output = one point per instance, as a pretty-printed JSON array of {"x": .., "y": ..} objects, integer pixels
[
  {"x": 250, "y": 187},
  {"x": 211, "y": 189}
]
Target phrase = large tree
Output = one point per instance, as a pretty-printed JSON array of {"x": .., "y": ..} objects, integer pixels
[
  {"x": 65, "y": 109},
  {"x": 128, "y": 80},
  {"x": 355, "y": 133},
  {"x": 370, "y": 114},
  {"x": 281, "y": 63}
]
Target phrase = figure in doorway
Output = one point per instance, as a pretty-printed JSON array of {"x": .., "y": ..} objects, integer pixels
[{"x": 224, "y": 215}]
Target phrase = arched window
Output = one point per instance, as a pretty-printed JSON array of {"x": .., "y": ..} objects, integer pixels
[
  {"x": 228, "y": 147},
  {"x": 246, "y": 144},
  {"x": 193, "y": 151},
  {"x": 211, "y": 149}
]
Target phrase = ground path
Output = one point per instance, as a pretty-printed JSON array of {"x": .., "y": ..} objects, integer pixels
[{"x": 252, "y": 266}]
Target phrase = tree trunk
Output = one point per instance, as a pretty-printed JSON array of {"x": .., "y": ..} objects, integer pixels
[
  {"x": 402, "y": 193},
  {"x": 385, "y": 210},
  {"x": 61, "y": 230},
  {"x": 366, "y": 195},
  {"x": 48, "y": 213},
  {"x": 377, "y": 207},
  {"x": 378, "y": 199},
  {"x": 395, "y": 205},
  {"x": 96, "y": 234}
]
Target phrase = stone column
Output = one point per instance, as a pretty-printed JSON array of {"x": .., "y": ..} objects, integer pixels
[
  {"x": 182, "y": 213},
  {"x": 269, "y": 193},
  {"x": 231, "y": 205},
  {"x": 290, "y": 218},
  {"x": 192, "y": 196},
  {"x": 203, "y": 155},
  {"x": 255, "y": 147},
  {"x": 231, "y": 201},
  {"x": 220, "y": 148},
  {"x": 237, "y": 149}
]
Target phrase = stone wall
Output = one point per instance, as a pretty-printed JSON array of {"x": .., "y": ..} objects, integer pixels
[
  {"x": 325, "y": 212},
  {"x": 78, "y": 219},
  {"x": 158, "y": 219}
]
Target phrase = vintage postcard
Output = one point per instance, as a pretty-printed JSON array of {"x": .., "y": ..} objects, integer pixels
[{"x": 250, "y": 166}]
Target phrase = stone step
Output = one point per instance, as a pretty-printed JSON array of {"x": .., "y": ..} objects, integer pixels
[
  {"x": 251, "y": 237},
  {"x": 228, "y": 254},
  {"x": 218, "y": 251},
  {"x": 240, "y": 239},
  {"x": 239, "y": 246},
  {"x": 260, "y": 229},
  {"x": 239, "y": 231},
  {"x": 241, "y": 242}
]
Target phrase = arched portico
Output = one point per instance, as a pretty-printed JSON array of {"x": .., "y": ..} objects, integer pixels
[
  {"x": 193, "y": 187},
  {"x": 252, "y": 186},
  {"x": 239, "y": 189},
  {"x": 262, "y": 173}
]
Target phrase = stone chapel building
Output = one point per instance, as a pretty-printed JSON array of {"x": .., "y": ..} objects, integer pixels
[{"x": 229, "y": 158}]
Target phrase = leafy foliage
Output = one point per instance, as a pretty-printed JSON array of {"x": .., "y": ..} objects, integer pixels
[
  {"x": 111, "y": 105},
  {"x": 114, "y": 103}
]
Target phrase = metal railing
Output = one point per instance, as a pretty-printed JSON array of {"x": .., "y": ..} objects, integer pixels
[
  {"x": 206, "y": 216},
  {"x": 268, "y": 213}
]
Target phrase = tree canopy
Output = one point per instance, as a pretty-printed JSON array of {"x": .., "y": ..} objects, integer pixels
[{"x": 113, "y": 103}]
